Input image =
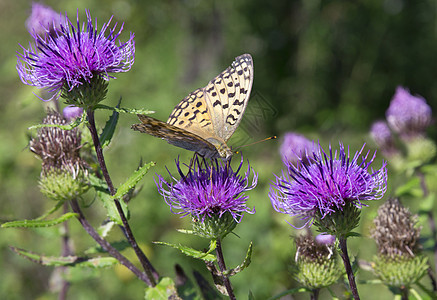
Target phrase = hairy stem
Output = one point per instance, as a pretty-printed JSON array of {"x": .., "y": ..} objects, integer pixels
[
  {"x": 147, "y": 266},
  {"x": 222, "y": 266},
  {"x": 106, "y": 245},
  {"x": 347, "y": 265}
]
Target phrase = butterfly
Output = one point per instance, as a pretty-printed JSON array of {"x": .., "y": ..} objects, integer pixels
[{"x": 206, "y": 119}]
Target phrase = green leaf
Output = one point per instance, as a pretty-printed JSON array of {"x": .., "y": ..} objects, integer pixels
[
  {"x": 111, "y": 208},
  {"x": 192, "y": 252},
  {"x": 108, "y": 131},
  {"x": 162, "y": 291},
  {"x": 39, "y": 223},
  {"x": 186, "y": 231},
  {"x": 107, "y": 200},
  {"x": 70, "y": 126},
  {"x": 244, "y": 265},
  {"x": 133, "y": 111},
  {"x": 133, "y": 180},
  {"x": 353, "y": 234},
  {"x": 68, "y": 261},
  {"x": 97, "y": 183}
]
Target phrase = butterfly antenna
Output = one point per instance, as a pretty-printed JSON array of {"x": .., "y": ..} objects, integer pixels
[{"x": 263, "y": 140}]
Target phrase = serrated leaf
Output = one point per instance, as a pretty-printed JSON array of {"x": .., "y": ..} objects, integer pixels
[
  {"x": 111, "y": 209},
  {"x": 70, "y": 126},
  {"x": 191, "y": 252},
  {"x": 39, "y": 223},
  {"x": 244, "y": 265},
  {"x": 67, "y": 261},
  {"x": 107, "y": 200},
  {"x": 109, "y": 129},
  {"x": 133, "y": 111},
  {"x": 133, "y": 180},
  {"x": 162, "y": 291},
  {"x": 98, "y": 184}
]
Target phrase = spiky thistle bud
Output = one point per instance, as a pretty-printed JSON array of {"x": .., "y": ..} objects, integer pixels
[
  {"x": 63, "y": 171},
  {"x": 315, "y": 263},
  {"x": 399, "y": 262}
]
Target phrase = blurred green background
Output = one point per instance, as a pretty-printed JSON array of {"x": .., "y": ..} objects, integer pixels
[{"x": 326, "y": 69}]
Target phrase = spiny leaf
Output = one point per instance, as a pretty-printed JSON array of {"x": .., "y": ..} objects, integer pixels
[
  {"x": 70, "y": 261},
  {"x": 190, "y": 251},
  {"x": 103, "y": 195},
  {"x": 70, "y": 126},
  {"x": 165, "y": 289},
  {"x": 111, "y": 208},
  {"x": 108, "y": 131},
  {"x": 134, "y": 111},
  {"x": 39, "y": 223},
  {"x": 133, "y": 180},
  {"x": 244, "y": 265}
]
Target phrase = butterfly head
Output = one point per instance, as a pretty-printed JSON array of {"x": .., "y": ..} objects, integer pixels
[{"x": 223, "y": 151}]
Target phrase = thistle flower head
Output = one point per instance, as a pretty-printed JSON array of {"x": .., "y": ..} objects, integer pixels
[
  {"x": 408, "y": 115},
  {"x": 73, "y": 55},
  {"x": 327, "y": 183},
  {"x": 209, "y": 190},
  {"x": 295, "y": 146}
]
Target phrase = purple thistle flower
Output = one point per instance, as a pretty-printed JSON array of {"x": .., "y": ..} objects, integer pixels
[
  {"x": 408, "y": 115},
  {"x": 324, "y": 183},
  {"x": 383, "y": 138},
  {"x": 295, "y": 146},
  {"x": 208, "y": 190},
  {"x": 43, "y": 18},
  {"x": 73, "y": 55}
]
